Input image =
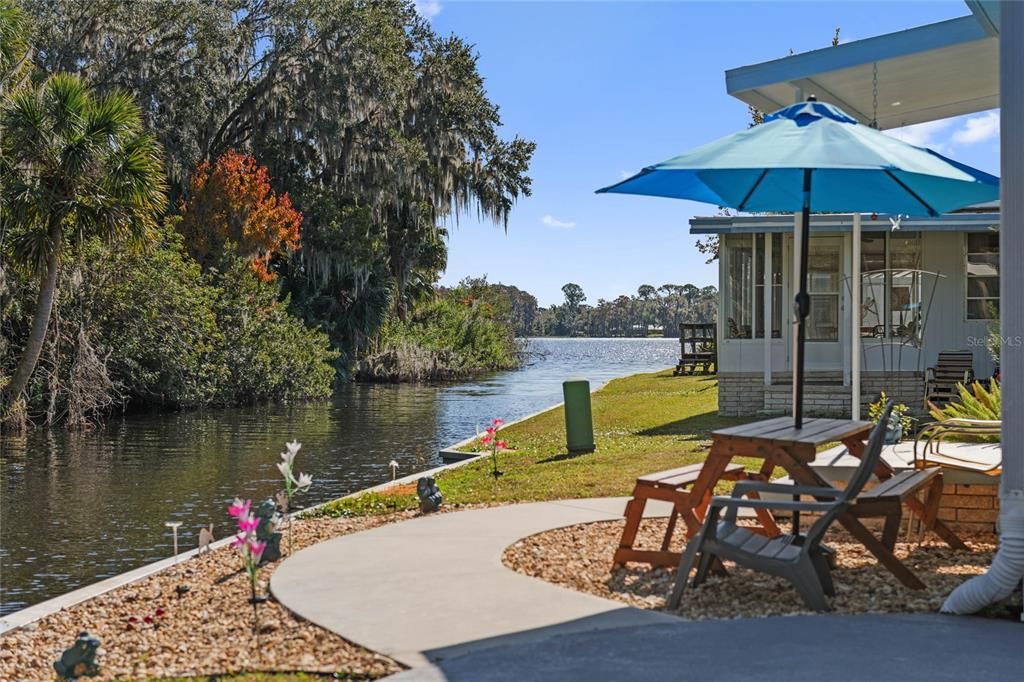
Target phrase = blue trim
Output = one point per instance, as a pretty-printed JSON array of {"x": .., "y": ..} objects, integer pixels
[{"x": 857, "y": 53}]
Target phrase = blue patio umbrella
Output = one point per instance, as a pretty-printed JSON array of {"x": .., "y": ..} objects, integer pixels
[{"x": 815, "y": 146}]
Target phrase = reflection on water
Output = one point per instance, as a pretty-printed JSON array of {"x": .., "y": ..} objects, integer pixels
[{"x": 78, "y": 507}]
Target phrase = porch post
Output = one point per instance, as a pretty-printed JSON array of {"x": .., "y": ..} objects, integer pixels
[
  {"x": 794, "y": 341},
  {"x": 1011, "y": 247},
  {"x": 855, "y": 323},
  {"x": 767, "y": 303}
]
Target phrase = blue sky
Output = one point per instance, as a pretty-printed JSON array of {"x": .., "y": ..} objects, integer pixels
[{"x": 605, "y": 88}]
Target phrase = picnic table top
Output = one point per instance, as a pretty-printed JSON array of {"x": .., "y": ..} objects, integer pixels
[{"x": 780, "y": 431}]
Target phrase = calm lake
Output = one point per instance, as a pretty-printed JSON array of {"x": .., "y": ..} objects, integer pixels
[{"x": 78, "y": 507}]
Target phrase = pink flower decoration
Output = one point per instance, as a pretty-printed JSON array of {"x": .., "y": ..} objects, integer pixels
[
  {"x": 501, "y": 444},
  {"x": 248, "y": 524},
  {"x": 490, "y": 430},
  {"x": 498, "y": 421},
  {"x": 239, "y": 541},
  {"x": 239, "y": 509},
  {"x": 486, "y": 440},
  {"x": 256, "y": 549}
]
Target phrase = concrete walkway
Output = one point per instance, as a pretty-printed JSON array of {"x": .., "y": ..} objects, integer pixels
[
  {"x": 434, "y": 587},
  {"x": 433, "y": 594}
]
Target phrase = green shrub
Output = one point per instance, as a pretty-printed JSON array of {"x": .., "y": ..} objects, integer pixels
[
  {"x": 877, "y": 408},
  {"x": 445, "y": 338},
  {"x": 975, "y": 402},
  {"x": 266, "y": 352},
  {"x": 154, "y": 314}
]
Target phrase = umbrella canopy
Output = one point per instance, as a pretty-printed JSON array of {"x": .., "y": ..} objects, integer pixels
[{"x": 808, "y": 157}]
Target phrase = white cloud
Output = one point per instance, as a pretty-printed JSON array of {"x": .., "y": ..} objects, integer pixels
[
  {"x": 552, "y": 221},
  {"x": 428, "y": 9},
  {"x": 923, "y": 134},
  {"x": 978, "y": 129}
]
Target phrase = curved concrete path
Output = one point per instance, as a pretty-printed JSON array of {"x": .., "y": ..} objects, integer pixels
[{"x": 434, "y": 587}]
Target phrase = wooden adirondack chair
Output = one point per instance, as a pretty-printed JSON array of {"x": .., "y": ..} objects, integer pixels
[{"x": 799, "y": 559}]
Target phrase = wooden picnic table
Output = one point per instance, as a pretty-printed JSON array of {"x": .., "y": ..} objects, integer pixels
[{"x": 779, "y": 444}]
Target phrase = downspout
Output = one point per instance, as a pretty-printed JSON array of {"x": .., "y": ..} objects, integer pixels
[{"x": 1007, "y": 568}]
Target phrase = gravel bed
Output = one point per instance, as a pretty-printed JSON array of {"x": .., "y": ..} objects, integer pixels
[
  {"x": 579, "y": 558},
  {"x": 208, "y": 630}
]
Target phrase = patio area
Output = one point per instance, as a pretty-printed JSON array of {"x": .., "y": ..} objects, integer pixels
[{"x": 390, "y": 588}]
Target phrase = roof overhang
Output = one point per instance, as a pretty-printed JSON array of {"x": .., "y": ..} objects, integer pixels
[
  {"x": 987, "y": 14},
  {"x": 843, "y": 222},
  {"x": 926, "y": 73}
]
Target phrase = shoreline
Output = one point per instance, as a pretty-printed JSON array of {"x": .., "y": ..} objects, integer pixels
[{"x": 31, "y": 614}]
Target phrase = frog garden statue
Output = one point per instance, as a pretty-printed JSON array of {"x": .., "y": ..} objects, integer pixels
[
  {"x": 80, "y": 659},
  {"x": 267, "y": 531},
  {"x": 429, "y": 494}
]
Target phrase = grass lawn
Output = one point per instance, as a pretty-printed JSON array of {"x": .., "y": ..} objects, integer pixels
[{"x": 642, "y": 423}]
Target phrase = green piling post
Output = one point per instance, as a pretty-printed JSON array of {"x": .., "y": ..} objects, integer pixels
[{"x": 579, "y": 423}]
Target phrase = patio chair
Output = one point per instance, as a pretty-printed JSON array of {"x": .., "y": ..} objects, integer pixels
[
  {"x": 979, "y": 459},
  {"x": 798, "y": 558},
  {"x": 952, "y": 367}
]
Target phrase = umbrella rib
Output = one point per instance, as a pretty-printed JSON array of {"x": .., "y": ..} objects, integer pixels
[
  {"x": 931, "y": 211},
  {"x": 753, "y": 189}
]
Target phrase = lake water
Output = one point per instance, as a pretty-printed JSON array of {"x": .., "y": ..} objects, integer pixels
[{"x": 79, "y": 507}]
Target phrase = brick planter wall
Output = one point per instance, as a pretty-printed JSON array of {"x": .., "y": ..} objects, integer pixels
[
  {"x": 740, "y": 394},
  {"x": 971, "y": 508},
  {"x": 743, "y": 394}
]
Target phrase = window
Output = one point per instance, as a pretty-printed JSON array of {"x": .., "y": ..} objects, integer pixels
[
  {"x": 746, "y": 261},
  {"x": 739, "y": 284},
  {"x": 983, "y": 276},
  {"x": 823, "y": 286},
  {"x": 890, "y": 291}
]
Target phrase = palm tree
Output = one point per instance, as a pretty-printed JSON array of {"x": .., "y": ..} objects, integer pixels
[
  {"x": 74, "y": 166},
  {"x": 13, "y": 45}
]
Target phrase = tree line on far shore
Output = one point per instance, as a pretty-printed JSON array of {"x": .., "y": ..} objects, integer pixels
[{"x": 651, "y": 311}]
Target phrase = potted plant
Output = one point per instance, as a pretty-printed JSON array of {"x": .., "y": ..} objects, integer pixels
[{"x": 900, "y": 421}]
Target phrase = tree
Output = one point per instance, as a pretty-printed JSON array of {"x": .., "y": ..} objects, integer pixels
[
  {"x": 74, "y": 166},
  {"x": 231, "y": 202},
  {"x": 14, "y": 47},
  {"x": 359, "y": 110},
  {"x": 646, "y": 292},
  {"x": 574, "y": 295}
]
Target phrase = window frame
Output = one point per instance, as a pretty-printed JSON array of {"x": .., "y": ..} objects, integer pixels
[
  {"x": 885, "y": 315},
  {"x": 967, "y": 253},
  {"x": 757, "y": 291}
]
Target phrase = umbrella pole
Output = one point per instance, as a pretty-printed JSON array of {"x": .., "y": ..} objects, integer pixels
[{"x": 802, "y": 303}]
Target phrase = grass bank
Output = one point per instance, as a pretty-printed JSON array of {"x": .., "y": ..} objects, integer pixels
[{"x": 642, "y": 423}]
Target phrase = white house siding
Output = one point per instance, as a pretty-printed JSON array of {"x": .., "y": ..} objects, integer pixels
[{"x": 885, "y": 366}]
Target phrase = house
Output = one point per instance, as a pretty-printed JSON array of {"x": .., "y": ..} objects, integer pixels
[
  {"x": 888, "y": 293},
  {"x": 930, "y": 285}
]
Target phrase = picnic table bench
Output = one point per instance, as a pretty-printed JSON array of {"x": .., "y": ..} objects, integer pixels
[{"x": 777, "y": 443}]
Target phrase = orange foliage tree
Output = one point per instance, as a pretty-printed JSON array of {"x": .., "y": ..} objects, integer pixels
[{"x": 231, "y": 202}]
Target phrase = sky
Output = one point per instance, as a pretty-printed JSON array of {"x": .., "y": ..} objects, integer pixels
[{"x": 606, "y": 88}]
